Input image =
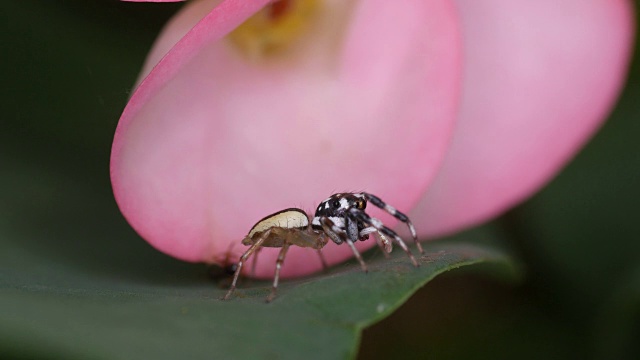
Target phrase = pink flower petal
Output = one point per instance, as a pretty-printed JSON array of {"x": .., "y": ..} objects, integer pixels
[
  {"x": 540, "y": 78},
  {"x": 211, "y": 142}
]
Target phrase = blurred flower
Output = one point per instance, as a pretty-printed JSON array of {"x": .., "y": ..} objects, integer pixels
[{"x": 457, "y": 109}]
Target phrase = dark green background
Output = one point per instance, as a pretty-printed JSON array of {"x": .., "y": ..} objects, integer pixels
[{"x": 67, "y": 71}]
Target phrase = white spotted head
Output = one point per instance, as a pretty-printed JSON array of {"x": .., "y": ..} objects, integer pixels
[{"x": 336, "y": 206}]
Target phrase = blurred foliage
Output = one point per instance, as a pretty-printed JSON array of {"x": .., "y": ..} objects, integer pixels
[{"x": 67, "y": 72}]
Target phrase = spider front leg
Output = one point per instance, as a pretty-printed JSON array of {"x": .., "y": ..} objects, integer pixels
[
  {"x": 369, "y": 221},
  {"x": 383, "y": 242},
  {"x": 395, "y": 213},
  {"x": 338, "y": 235}
]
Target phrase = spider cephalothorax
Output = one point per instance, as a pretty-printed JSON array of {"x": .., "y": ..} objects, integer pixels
[
  {"x": 351, "y": 223},
  {"x": 336, "y": 208},
  {"x": 340, "y": 218}
]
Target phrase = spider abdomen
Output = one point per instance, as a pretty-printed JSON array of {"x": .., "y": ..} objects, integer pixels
[
  {"x": 286, "y": 226},
  {"x": 292, "y": 218}
]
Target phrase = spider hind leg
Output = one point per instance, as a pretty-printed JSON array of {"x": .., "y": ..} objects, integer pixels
[{"x": 242, "y": 260}]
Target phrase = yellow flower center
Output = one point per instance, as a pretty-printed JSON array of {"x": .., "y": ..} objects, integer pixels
[{"x": 275, "y": 28}]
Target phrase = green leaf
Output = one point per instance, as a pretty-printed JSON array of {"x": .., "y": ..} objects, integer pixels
[
  {"x": 76, "y": 282},
  {"x": 317, "y": 318},
  {"x": 160, "y": 308}
]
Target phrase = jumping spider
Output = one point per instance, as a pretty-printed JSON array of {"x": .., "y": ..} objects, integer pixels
[{"x": 341, "y": 218}]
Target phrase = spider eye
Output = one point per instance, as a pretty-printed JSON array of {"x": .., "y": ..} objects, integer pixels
[
  {"x": 360, "y": 205},
  {"x": 336, "y": 204}
]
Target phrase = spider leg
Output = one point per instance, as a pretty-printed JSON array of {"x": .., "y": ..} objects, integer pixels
[
  {"x": 244, "y": 258},
  {"x": 368, "y": 220},
  {"x": 383, "y": 242},
  {"x": 283, "y": 253},
  {"x": 325, "y": 267},
  {"x": 338, "y": 235},
  {"x": 395, "y": 213},
  {"x": 254, "y": 263},
  {"x": 322, "y": 242}
]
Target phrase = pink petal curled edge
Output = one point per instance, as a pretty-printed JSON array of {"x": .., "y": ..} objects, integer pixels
[
  {"x": 540, "y": 78},
  {"x": 211, "y": 142}
]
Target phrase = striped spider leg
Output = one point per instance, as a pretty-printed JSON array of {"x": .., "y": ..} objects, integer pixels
[
  {"x": 396, "y": 214},
  {"x": 347, "y": 212}
]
